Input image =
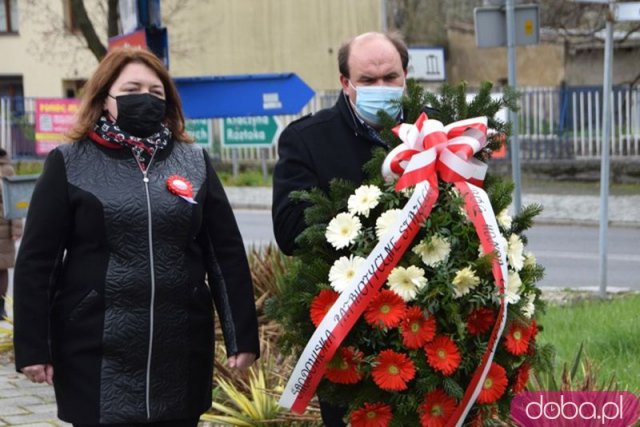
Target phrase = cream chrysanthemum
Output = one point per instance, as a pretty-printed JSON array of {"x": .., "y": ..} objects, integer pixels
[
  {"x": 433, "y": 251},
  {"x": 406, "y": 282},
  {"x": 504, "y": 219},
  {"x": 343, "y": 271},
  {"x": 512, "y": 290},
  {"x": 385, "y": 221},
  {"x": 464, "y": 281},
  {"x": 529, "y": 259},
  {"x": 515, "y": 254},
  {"x": 528, "y": 309},
  {"x": 364, "y": 199},
  {"x": 343, "y": 230}
]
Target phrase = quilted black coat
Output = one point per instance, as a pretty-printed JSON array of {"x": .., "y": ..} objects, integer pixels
[{"x": 111, "y": 284}]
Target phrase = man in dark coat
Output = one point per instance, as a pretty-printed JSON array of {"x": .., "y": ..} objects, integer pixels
[{"x": 337, "y": 142}]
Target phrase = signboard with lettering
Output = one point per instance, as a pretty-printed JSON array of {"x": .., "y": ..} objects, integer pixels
[
  {"x": 243, "y": 95},
  {"x": 200, "y": 131},
  {"x": 54, "y": 117},
  {"x": 426, "y": 63},
  {"x": 250, "y": 131}
]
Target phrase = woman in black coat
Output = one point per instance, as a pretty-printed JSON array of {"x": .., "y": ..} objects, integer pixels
[{"x": 128, "y": 242}]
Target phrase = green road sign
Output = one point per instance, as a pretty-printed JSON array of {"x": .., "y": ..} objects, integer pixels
[
  {"x": 249, "y": 131},
  {"x": 200, "y": 130}
]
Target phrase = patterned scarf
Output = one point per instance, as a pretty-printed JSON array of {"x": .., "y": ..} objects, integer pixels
[{"x": 109, "y": 134}]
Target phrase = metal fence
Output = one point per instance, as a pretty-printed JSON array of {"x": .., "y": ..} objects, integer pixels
[
  {"x": 554, "y": 123},
  {"x": 566, "y": 123}
]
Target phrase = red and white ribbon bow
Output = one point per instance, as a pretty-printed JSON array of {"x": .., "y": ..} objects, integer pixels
[{"x": 429, "y": 147}]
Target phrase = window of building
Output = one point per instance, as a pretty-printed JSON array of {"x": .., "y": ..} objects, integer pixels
[
  {"x": 73, "y": 88},
  {"x": 11, "y": 86},
  {"x": 8, "y": 16}
]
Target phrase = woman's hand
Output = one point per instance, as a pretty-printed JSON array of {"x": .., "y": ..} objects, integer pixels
[
  {"x": 241, "y": 360},
  {"x": 39, "y": 373}
]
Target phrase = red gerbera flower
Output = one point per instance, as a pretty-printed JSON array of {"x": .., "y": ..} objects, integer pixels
[
  {"x": 436, "y": 409},
  {"x": 386, "y": 310},
  {"x": 443, "y": 354},
  {"x": 371, "y": 415},
  {"x": 517, "y": 339},
  {"x": 321, "y": 304},
  {"x": 522, "y": 377},
  {"x": 393, "y": 370},
  {"x": 344, "y": 367},
  {"x": 480, "y": 320},
  {"x": 494, "y": 384},
  {"x": 417, "y": 330}
]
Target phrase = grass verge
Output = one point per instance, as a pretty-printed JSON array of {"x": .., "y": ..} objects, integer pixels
[{"x": 609, "y": 330}]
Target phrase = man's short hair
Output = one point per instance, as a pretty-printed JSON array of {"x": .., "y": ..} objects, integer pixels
[{"x": 394, "y": 37}]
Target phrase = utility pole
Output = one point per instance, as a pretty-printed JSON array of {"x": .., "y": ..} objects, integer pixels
[
  {"x": 513, "y": 116},
  {"x": 604, "y": 148}
]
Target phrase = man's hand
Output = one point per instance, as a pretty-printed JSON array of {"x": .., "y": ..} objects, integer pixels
[
  {"x": 241, "y": 360},
  {"x": 39, "y": 373}
]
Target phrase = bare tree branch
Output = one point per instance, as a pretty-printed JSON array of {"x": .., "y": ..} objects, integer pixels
[
  {"x": 112, "y": 19},
  {"x": 88, "y": 31}
]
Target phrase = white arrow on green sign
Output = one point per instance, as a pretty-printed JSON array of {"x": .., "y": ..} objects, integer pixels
[{"x": 250, "y": 131}]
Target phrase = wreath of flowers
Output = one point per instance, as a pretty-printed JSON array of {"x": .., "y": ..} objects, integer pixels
[{"x": 410, "y": 356}]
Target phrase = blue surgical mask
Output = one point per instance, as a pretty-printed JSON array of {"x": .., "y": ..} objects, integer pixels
[{"x": 371, "y": 99}]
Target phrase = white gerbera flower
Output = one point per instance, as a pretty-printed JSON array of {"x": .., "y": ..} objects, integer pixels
[
  {"x": 512, "y": 290},
  {"x": 364, "y": 199},
  {"x": 343, "y": 271},
  {"x": 528, "y": 309},
  {"x": 515, "y": 254},
  {"x": 343, "y": 230},
  {"x": 406, "y": 282},
  {"x": 433, "y": 251},
  {"x": 385, "y": 221},
  {"x": 504, "y": 219},
  {"x": 464, "y": 281},
  {"x": 529, "y": 259}
]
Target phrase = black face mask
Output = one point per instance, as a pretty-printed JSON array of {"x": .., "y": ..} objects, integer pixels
[{"x": 140, "y": 114}]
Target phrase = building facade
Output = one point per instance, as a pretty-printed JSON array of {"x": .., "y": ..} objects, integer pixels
[{"x": 44, "y": 54}]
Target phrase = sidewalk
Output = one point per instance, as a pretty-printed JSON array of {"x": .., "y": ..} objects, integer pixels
[
  {"x": 23, "y": 403},
  {"x": 558, "y": 209}
]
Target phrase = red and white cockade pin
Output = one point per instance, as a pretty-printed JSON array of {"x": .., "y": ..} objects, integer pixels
[{"x": 181, "y": 187}]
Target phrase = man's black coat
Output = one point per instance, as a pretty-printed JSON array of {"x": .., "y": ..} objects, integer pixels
[{"x": 312, "y": 151}]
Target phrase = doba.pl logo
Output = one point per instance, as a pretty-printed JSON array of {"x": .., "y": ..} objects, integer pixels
[{"x": 575, "y": 409}]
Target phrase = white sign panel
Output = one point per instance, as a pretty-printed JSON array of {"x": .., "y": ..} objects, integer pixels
[
  {"x": 128, "y": 10},
  {"x": 426, "y": 63},
  {"x": 628, "y": 11}
]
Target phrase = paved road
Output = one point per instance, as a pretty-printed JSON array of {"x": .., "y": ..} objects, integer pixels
[
  {"x": 570, "y": 255},
  {"x": 568, "y": 252}
]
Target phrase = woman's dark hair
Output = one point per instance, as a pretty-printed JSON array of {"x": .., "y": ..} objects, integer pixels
[{"x": 97, "y": 89}]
